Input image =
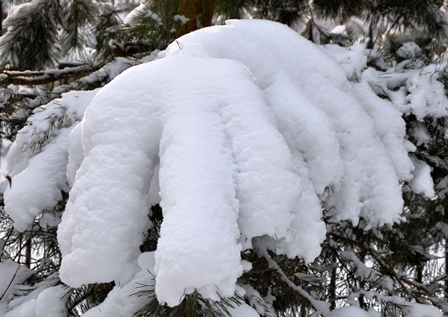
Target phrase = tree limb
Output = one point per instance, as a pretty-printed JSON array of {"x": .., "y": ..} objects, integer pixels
[{"x": 29, "y": 78}]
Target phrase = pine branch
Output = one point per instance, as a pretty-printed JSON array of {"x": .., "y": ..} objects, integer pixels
[
  {"x": 28, "y": 78},
  {"x": 319, "y": 306},
  {"x": 32, "y": 28},
  {"x": 387, "y": 267},
  {"x": 26, "y": 244}
]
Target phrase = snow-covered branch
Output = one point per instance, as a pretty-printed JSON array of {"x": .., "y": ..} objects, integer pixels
[
  {"x": 29, "y": 78},
  {"x": 386, "y": 267},
  {"x": 319, "y": 306}
]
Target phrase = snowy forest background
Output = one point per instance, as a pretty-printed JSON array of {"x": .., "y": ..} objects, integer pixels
[{"x": 254, "y": 168}]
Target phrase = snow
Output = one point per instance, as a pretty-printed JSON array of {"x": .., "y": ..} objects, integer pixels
[
  {"x": 413, "y": 309},
  {"x": 411, "y": 91},
  {"x": 349, "y": 311},
  {"x": 420, "y": 310},
  {"x": 33, "y": 191},
  {"x": 27, "y": 309},
  {"x": 134, "y": 14},
  {"x": 352, "y": 60},
  {"x": 124, "y": 301},
  {"x": 243, "y": 310},
  {"x": 420, "y": 133},
  {"x": 408, "y": 50},
  {"x": 249, "y": 116},
  {"x": 23, "y": 198},
  {"x": 422, "y": 182},
  {"x": 263, "y": 306},
  {"x": 340, "y": 29},
  {"x": 44, "y": 299},
  {"x": 362, "y": 271},
  {"x": 50, "y": 302},
  {"x": 324, "y": 84},
  {"x": 236, "y": 139},
  {"x": 8, "y": 269},
  {"x": 390, "y": 127},
  {"x": 139, "y": 11},
  {"x": 426, "y": 94}
]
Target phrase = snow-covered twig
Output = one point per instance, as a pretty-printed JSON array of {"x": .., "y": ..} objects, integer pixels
[
  {"x": 10, "y": 282},
  {"x": 319, "y": 306},
  {"x": 386, "y": 267},
  {"x": 41, "y": 77}
]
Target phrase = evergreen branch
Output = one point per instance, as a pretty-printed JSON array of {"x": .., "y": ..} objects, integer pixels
[
  {"x": 27, "y": 242},
  {"x": 78, "y": 300},
  {"x": 317, "y": 305},
  {"x": 97, "y": 78},
  {"x": 193, "y": 305},
  {"x": 416, "y": 285},
  {"x": 29, "y": 42},
  {"x": 92, "y": 293},
  {"x": 387, "y": 267}
]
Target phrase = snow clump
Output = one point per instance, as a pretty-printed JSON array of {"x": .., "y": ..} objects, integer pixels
[
  {"x": 251, "y": 140},
  {"x": 238, "y": 131}
]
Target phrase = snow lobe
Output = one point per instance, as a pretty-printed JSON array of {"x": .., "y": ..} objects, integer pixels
[
  {"x": 33, "y": 191},
  {"x": 39, "y": 174},
  {"x": 125, "y": 300},
  {"x": 251, "y": 140}
]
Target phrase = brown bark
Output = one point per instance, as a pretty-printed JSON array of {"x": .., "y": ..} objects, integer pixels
[{"x": 199, "y": 13}]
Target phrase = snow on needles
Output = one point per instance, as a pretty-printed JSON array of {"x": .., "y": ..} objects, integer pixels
[
  {"x": 39, "y": 180},
  {"x": 253, "y": 129}
]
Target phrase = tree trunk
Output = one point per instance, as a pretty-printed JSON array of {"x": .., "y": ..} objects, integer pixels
[{"x": 199, "y": 13}]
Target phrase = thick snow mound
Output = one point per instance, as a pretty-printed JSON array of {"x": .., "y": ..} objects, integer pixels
[{"x": 254, "y": 129}]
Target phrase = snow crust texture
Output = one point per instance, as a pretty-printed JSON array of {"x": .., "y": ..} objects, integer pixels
[{"x": 246, "y": 130}]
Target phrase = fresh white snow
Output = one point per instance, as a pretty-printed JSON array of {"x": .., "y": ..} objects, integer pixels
[
  {"x": 239, "y": 131},
  {"x": 248, "y": 141},
  {"x": 40, "y": 178},
  {"x": 349, "y": 311}
]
